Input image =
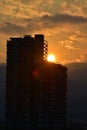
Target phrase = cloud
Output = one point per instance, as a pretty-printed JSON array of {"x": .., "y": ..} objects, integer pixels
[
  {"x": 65, "y": 18},
  {"x": 11, "y": 28},
  {"x": 26, "y": 1},
  {"x": 74, "y": 7},
  {"x": 39, "y": 23},
  {"x": 57, "y": 18},
  {"x": 80, "y": 37},
  {"x": 26, "y": 16},
  {"x": 67, "y": 44},
  {"x": 83, "y": 57}
]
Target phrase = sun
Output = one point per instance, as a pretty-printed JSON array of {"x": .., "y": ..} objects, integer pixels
[{"x": 51, "y": 58}]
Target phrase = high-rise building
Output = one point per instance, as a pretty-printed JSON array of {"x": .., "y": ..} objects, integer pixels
[{"x": 36, "y": 90}]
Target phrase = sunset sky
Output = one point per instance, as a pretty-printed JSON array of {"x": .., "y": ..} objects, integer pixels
[{"x": 63, "y": 22}]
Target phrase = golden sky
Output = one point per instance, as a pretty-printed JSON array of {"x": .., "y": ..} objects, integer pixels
[{"x": 63, "y": 22}]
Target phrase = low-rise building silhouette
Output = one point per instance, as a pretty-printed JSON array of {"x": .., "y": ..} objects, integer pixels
[{"x": 36, "y": 90}]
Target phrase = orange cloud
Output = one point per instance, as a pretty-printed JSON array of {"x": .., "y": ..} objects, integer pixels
[{"x": 62, "y": 22}]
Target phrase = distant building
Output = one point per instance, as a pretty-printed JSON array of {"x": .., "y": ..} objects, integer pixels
[{"x": 36, "y": 90}]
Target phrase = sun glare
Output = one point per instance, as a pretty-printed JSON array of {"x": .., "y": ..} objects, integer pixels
[{"x": 51, "y": 58}]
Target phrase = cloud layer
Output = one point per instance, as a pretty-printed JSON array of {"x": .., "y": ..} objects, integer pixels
[{"x": 63, "y": 23}]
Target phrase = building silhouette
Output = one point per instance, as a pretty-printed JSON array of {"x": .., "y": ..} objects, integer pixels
[{"x": 36, "y": 90}]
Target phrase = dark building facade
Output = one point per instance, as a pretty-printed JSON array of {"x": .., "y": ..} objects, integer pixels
[{"x": 36, "y": 90}]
